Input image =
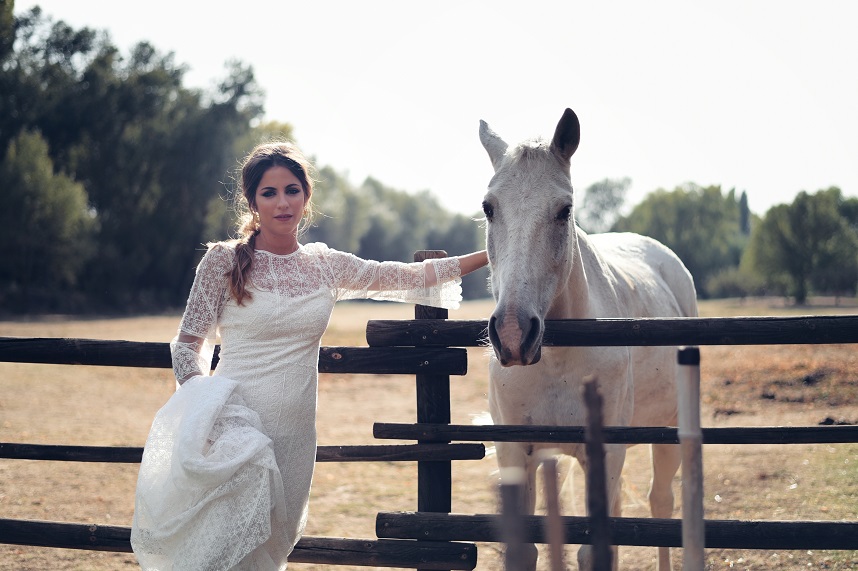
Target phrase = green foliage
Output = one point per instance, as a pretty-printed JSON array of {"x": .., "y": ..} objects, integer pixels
[
  {"x": 600, "y": 207},
  {"x": 151, "y": 154},
  {"x": 7, "y": 27},
  {"x": 807, "y": 245},
  {"x": 45, "y": 225},
  {"x": 734, "y": 282},
  {"x": 702, "y": 225}
]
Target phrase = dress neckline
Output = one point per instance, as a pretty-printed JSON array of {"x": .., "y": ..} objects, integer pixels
[{"x": 300, "y": 246}]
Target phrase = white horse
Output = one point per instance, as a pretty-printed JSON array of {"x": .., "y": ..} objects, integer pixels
[{"x": 545, "y": 267}]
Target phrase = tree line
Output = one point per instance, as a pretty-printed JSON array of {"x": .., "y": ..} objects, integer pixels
[
  {"x": 809, "y": 246},
  {"x": 115, "y": 174}
]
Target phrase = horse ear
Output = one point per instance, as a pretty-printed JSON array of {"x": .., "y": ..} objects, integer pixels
[
  {"x": 566, "y": 136},
  {"x": 494, "y": 145}
]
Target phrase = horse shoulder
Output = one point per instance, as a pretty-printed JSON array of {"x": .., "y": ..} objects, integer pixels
[{"x": 648, "y": 278}]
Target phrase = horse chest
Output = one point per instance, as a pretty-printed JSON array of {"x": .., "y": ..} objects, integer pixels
[{"x": 551, "y": 391}]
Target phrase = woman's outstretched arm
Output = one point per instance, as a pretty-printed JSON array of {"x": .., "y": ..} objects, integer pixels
[{"x": 473, "y": 261}]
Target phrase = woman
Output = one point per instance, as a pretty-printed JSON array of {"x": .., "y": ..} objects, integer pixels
[{"x": 226, "y": 472}]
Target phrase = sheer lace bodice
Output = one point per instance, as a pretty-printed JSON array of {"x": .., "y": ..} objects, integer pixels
[
  {"x": 253, "y": 431},
  {"x": 313, "y": 270}
]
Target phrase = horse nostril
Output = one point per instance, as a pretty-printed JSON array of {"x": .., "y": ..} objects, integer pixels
[
  {"x": 493, "y": 333},
  {"x": 532, "y": 337}
]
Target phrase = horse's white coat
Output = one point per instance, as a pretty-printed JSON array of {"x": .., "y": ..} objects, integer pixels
[{"x": 544, "y": 267}]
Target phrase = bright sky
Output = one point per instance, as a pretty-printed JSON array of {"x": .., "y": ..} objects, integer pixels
[{"x": 761, "y": 96}]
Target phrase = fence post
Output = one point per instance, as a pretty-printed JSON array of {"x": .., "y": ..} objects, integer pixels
[
  {"x": 512, "y": 529},
  {"x": 553, "y": 523},
  {"x": 434, "y": 479},
  {"x": 598, "y": 509},
  {"x": 690, "y": 441}
]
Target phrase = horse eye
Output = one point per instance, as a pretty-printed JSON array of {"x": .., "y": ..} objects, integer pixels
[
  {"x": 489, "y": 210},
  {"x": 564, "y": 214}
]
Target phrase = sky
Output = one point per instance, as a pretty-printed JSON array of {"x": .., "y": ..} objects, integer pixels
[{"x": 761, "y": 96}]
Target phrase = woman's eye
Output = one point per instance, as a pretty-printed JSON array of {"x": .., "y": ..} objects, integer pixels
[
  {"x": 293, "y": 190},
  {"x": 489, "y": 210},
  {"x": 564, "y": 214},
  {"x": 268, "y": 193}
]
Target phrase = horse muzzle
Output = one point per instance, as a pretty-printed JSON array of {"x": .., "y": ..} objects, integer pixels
[{"x": 517, "y": 340}]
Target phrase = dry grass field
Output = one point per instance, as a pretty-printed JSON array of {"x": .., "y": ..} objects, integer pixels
[{"x": 743, "y": 386}]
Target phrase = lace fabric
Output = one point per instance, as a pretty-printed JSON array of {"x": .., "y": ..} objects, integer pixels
[
  {"x": 229, "y": 461},
  {"x": 312, "y": 268}
]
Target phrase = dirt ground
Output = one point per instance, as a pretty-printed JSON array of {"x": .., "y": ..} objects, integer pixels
[{"x": 742, "y": 386}]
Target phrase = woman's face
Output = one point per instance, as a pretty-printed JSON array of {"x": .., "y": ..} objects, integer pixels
[{"x": 280, "y": 201}]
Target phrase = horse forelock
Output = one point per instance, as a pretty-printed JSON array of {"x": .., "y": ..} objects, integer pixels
[
  {"x": 530, "y": 150},
  {"x": 530, "y": 165}
]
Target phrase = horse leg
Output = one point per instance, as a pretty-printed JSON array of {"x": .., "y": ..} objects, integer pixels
[
  {"x": 665, "y": 462},
  {"x": 615, "y": 457},
  {"x": 521, "y": 455}
]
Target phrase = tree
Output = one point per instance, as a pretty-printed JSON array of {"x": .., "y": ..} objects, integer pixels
[
  {"x": 151, "y": 154},
  {"x": 7, "y": 28},
  {"x": 153, "y": 163},
  {"x": 744, "y": 214},
  {"x": 806, "y": 244},
  {"x": 45, "y": 227},
  {"x": 702, "y": 225},
  {"x": 601, "y": 204}
]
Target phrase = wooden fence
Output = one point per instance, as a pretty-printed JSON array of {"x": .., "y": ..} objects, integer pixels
[
  {"x": 625, "y": 332},
  {"x": 431, "y": 348},
  {"x": 439, "y": 362}
]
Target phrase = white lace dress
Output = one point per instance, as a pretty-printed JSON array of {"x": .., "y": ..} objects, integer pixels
[{"x": 226, "y": 471}]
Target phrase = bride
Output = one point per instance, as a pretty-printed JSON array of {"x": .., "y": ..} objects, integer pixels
[{"x": 226, "y": 471}]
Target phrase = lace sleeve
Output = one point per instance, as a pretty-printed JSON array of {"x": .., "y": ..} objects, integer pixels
[
  {"x": 193, "y": 346},
  {"x": 434, "y": 282}
]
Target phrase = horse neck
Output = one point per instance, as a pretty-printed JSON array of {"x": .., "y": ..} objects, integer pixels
[{"x": 573, "y": 295}]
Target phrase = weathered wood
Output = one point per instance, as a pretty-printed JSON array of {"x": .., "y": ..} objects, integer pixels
[
  {"x": 397, "y": 361},
  {"x": 317, "y": 550},
  {"x": 668, "y": 331},
  {"x": 615, "y": 434},
  {"x": 92, "y": 537},
  {"x": 385, "y": 553},
  {"x": 359, "y": 453},
  {"x": 553, "y": 523},
  {"x": 734, "y": 534},
  {"x": 511, "y": 522},
  {"x": 434, "y": 480},
  {"x": 62, "y": 453},
  {"x": 597, "y": 490},
  {"x": 68, "y": 351},
  {"x": 441, "y": 453},
  {"x": 367, "y": 360}
]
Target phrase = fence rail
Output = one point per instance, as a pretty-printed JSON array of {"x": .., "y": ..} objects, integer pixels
[
  {"x": 321, "y": 550},
  {"x": 656, "y": 532},
  {"x": 614, "y": 435},
  {"x": 358, "y": 360},
  {"x": 667, "y": 331},
  {"x": 355, "y": 453}
]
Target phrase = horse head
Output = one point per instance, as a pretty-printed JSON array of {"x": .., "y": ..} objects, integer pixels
[{"x": 530, "y": 235}]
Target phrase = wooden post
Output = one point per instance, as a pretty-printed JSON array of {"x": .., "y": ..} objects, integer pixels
[
  {"x": 434, "y": 479},
  {"x": 597, "y": 493},
  {"x": 512, "y": 529},
  {"x": 553, "y": 524},
  {"x": 690, "y": 441}
]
